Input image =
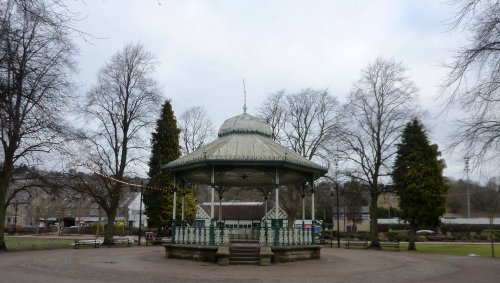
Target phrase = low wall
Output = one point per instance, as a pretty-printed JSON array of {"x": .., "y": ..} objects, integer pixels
[
  {"x": 295, "y": 253},
  {"x": 193, "y": 252},
  {"x": 214, "y": 254}
]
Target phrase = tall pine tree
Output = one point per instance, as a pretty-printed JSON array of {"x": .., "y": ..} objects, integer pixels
[
  {"x": 165, "y": 148},
  {"x": 418, "y": 180}
]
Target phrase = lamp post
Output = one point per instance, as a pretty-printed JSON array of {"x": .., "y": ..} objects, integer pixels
[
  {"x": 336, "y": 188},
  {"x": 468, "y": 185},
  {"x": 335, "y": 180},
  {"x": 333, "y": 220},
  {"x": 338, "y": 215},
  {"x": 492, "y": 219},
  {"x": 140, "y": 214},
  {"x": 337, "y": 212}
]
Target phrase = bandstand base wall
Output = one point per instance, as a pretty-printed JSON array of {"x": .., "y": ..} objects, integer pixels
[
  {"x": 295, "y": 253},
  {"x": 192, "y": 252},
  {"x": 275, "y": 254}
]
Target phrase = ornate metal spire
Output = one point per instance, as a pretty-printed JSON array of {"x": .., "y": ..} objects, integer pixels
[{"x": 245, "y": 97}]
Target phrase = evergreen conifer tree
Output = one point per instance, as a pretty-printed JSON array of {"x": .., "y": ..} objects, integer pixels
[
  {"x": 418, "y": 180},
  {"x": 158, "y": 199}
]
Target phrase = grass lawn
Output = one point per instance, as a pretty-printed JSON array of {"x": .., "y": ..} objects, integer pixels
[
  {"x": 35, "y": 243},
  {"x": 456, "y": 249},
  {"x": 483, "y": 249}
]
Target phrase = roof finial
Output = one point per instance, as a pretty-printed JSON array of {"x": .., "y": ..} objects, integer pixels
[{"x": 245, "y": 96}]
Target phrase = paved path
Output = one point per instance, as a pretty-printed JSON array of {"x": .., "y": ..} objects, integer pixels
[{"x": 149, "y": 264}]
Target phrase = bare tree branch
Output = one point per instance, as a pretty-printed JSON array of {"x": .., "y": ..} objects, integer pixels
[
  {"x": 473, "y": 82},
  {"x": 379, "y": 106},
  {"x": 36, "y": 63},
  {"x": 307, "y": 122},
  {"x": 196, "y": 129},
  {"x": 121, "y": 108}
]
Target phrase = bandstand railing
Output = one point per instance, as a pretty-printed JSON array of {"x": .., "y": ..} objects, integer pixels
[{"x": 221, "y": 236}]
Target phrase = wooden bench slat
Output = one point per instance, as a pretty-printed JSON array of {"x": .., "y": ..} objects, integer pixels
[
  {"x": 88, "y": 242},
  {"x": 153, "y": 241},
  {"x": 394, "y": 245},
  {"x": 363, "y": 244},
  {"x": 123, "y": 240}
]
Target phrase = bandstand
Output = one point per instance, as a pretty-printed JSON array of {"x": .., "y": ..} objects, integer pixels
[{"x": 244, "y": 155}]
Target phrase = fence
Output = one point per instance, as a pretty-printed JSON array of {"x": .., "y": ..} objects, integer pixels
[{"x": 223, "y": 236}]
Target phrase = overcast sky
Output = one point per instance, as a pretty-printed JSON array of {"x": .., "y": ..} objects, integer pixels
[{"x": 205, "y": 48}]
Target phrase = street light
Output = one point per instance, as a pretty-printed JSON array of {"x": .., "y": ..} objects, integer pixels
[
  {"x": 140, "y": 214},
  {"x": 335, "y": 180},
  {"x": 338, "y": 212},
  {"x": 333, "y": 220}
]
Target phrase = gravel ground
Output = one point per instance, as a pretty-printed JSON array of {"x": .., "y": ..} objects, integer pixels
[{"x": 149, "y": 264}]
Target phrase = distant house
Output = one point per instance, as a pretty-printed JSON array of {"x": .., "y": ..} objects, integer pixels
[
  {"x": 35, "y": 207},
  {"x": 134, "y": 210},
  {"x": 240, "y": 214},
  {"x": 347, "y": 225}
]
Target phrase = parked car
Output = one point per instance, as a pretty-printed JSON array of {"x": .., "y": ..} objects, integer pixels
[{"x": 425, "y": 232}]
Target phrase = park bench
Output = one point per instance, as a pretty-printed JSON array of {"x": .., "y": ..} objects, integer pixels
[
  {"x": 121, "y": 240},
  {"x": 155, "y": 241},
  {"x": 323, "y": 241},
  {"x": 350, "y": 244},
  {"x": 394, "y": 245},
  {"x": 436, "y": 238},
  {"x": 87, "y": 242}
]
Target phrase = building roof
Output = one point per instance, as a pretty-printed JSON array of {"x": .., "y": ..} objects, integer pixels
[
  {"x": 245, "y": 140},
  {"x": 244, "y": 123}
]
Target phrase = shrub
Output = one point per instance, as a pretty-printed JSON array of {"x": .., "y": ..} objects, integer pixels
[
  {"x": 389, "y": 227},
  {"x": 486, "y": 234},
  {"x": 467, "y": 227},
  {"x": 397, "y": 235}
]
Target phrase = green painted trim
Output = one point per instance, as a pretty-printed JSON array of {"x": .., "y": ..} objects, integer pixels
[
  {"x": 207, "y": 162},
  {"x": 243, "y": 132}
]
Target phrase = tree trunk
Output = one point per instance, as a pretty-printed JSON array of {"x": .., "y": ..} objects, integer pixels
[
  {"x": 373, "y": 221},
  {"x": 110, "y": 227},
  {"x": 111, "y": 214},
  {"x": 289, "y": 199},
  {"x": 3, "y": 208},
  {"x": 291, "y": 221},
  {"x": 411, "y": 236},
  {"x": 3, "y": 247},
  {"x": 98, "y": 222}
]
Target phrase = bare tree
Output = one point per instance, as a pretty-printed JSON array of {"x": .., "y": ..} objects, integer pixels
[
  {"x": 379, "y": 106},
  {"x": 272, "y": 111},
  {"x": 311, "y": 122},
  {"x": 196, "y": 129},
  {"x": 121, "y": 108},
  {"x": 473, "y": 82},
  {"x": 306, "y": 121},
  {"x": 36, "y": 64}
]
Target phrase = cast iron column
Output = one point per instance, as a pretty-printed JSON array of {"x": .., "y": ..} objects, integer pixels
[{"x": 173, "y": 210}]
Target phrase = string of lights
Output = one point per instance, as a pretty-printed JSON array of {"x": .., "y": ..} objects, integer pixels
[
  {"x": 148, "y": 187},
  {"x": 166, "y": 190},
  {"x": 77, "y": 163}
]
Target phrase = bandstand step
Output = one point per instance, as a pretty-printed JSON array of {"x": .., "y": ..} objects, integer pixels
[
  {"x": 244, "y": 253},
  {"x": 244, "y": 242},
  {"x": 244, "y": 262}
]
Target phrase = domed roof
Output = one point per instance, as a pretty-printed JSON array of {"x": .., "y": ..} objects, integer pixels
[
  {"x": 244, "y": 124},
  {"x": 244, "y": 155}
]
